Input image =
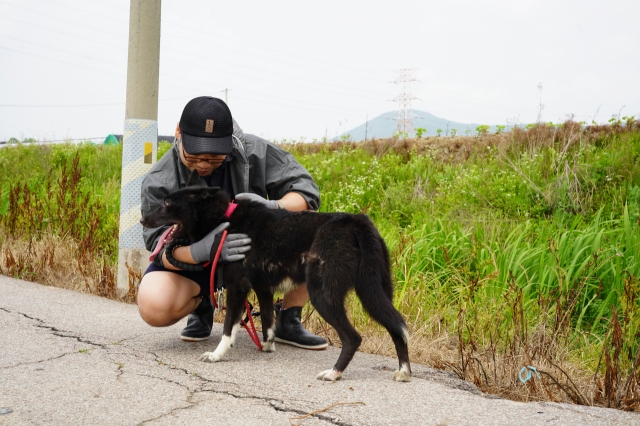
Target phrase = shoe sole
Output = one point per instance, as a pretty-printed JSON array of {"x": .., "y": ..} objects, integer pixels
[
  {"x": 193, "y": 339},
  {"x": 313, "y": 348}
]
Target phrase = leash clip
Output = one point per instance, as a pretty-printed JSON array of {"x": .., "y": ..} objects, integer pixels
[{"x": 221, "y": 301}]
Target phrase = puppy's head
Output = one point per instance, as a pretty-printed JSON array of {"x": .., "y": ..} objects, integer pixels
[{"x": 194, "y": 210}]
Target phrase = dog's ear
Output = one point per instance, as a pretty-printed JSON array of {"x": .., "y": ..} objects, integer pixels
[
  {"x": 194, "y": 178},
  {"x": 204, "y": 193},
  {"x": 209, "y": 192}
]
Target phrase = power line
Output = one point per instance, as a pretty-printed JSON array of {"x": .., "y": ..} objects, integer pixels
[
  {"x": 262, "y": 70},
  {"x": 58, "y": 106},
  {"x": 298, "y": 56},
  {"x": 57, "y": 49},
  {"x": 328, "y": 109},
  {"x": 63, "y": 20},
  {"x": 58, "y": 60},
  {"x": 468, "y": 100},
  {"x": 95, "y": 69},
  {"x": 181, "y": 78},
  {"x": 60, "y": 32},
  {"x": 124, "y": 21},
  {"x": 218, "y": 36},
  {"x": 88, "y": 57},
  {"x": 253, "y": 55},
  {"x": 297, "y": 102},
  {"x": 81, "y": 105},
  {"x": 182, "y": 53},
  {"x": 110, "y": 104}
]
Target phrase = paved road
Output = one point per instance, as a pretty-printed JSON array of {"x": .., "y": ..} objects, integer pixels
[{"x": 71, "y": 358}]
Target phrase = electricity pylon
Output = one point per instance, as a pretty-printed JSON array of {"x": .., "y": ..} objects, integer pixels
[{"x": 404, "y": 122}]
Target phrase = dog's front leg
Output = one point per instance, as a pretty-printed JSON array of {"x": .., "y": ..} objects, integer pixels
[
  {"x": 225, "y": 344},
  {"x": 238, "y": 287},
  {"x": 235, "y": 308},
  {"x": 265, "y": 299}
]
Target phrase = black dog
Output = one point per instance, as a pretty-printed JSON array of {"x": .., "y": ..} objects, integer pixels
[{"x": 331, "y": 252}]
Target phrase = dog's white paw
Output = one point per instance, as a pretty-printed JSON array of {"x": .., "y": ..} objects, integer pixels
[
  {"x": 402, "y": 375},
  {"x": 329, "y": 375},
  {"x": 210, "y": 357},
  {"x": 268, "y": 346}
]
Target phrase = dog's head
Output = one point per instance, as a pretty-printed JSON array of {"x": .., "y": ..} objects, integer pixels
[{"x": 194, "y": 211}]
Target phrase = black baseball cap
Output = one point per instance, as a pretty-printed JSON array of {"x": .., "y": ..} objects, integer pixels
[{"x": 206, "y": 126}]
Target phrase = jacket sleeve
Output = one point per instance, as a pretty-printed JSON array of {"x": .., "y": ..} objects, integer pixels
[
  {"x": 159, "y": 182},
  {"x": 283, "y": 174}
]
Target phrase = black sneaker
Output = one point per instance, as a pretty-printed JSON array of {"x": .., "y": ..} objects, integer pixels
[
  {"x": 290, "y": 330},
  {"x": 200, "y": 322}
]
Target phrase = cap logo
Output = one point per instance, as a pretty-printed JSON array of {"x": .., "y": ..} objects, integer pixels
[{"x": 209, "y": 127}]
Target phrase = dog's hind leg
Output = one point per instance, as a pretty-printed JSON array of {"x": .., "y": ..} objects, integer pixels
[
  {"x": 390, "y": 318},
  {"x": 379, "y": 305},
  {"x": 265, "y": 299},
  {"x": 332, "y": 310},
  {"x": 375, "y": 290}
]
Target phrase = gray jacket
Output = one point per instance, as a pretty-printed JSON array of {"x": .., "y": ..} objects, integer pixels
[{"x": 259, "y": 167}]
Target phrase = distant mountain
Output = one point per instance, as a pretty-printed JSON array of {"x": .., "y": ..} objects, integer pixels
[{"x": 384, "y": 126}]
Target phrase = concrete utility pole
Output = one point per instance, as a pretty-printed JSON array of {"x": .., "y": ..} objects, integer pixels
[
  {"x": 140, "y": 137},
  {"x": 226, "y": 96}
]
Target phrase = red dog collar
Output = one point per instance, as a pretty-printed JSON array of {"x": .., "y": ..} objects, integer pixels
[{"x": 230, "y": 209}]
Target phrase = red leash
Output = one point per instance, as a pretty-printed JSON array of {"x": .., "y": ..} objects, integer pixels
[
  {"x": 253, "y": 333},
  {"x": 213, "y": 268},
  {"x": 230, "y": 209}
]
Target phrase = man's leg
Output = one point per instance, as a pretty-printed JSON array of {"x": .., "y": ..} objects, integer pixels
[
  {"x": 164, "y": 298},
  {"x": 289, "y": 328},
  {"x": 298, "y": 296}
]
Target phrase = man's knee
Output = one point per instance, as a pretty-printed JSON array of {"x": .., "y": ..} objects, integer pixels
[
  {"x": 165, "y": 298},
  {"x": 154, "y": 311},
  {"x": 154, "y": 305}
]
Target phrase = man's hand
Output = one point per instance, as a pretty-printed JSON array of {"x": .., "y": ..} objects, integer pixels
[
  {"x": 201, "y": 251},
  {"x": 234, "y": 247},
  {"x": 271, "y": 204}
]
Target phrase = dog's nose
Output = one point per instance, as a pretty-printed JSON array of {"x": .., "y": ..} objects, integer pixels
[{"x": 142, "y": 220}]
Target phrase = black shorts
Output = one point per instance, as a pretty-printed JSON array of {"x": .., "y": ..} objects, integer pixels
[{"x": 202, "y": 278}]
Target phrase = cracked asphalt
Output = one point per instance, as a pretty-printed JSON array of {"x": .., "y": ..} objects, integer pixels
[{"x": 72, "y": 358}]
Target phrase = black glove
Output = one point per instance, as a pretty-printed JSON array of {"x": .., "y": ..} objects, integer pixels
[{"x": 272, "y": 204}]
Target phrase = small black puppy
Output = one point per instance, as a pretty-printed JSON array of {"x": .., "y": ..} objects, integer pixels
[{"x": 331, "y": 252}]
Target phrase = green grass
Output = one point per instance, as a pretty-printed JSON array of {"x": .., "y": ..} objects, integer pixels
[
  {"x": 67, "y": 190},
  {"x": 531, "y": 242}
]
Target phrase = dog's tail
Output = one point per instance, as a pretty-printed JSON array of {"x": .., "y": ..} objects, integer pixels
[{"x": 374, "y": 286}]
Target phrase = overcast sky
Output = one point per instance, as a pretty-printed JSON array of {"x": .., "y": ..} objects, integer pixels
[{"x": 310, "y": 68}]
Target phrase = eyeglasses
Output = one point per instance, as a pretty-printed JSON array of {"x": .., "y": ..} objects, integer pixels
[{"x": 196, "y": 160}]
